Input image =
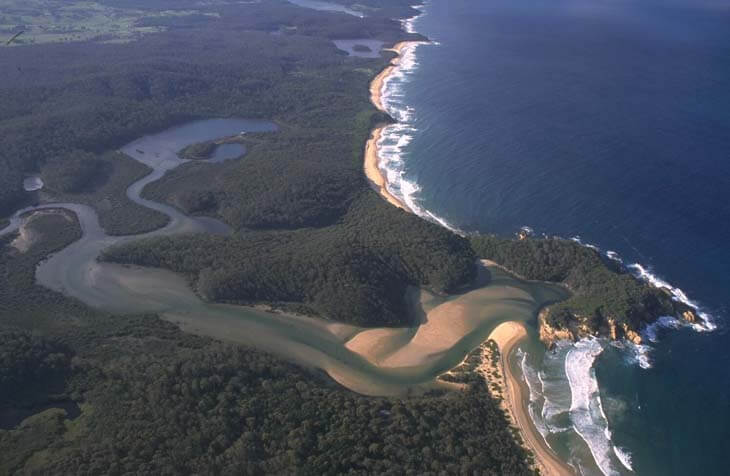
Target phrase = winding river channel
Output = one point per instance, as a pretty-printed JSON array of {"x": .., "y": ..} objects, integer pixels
[{"x": 369, "y": 361}]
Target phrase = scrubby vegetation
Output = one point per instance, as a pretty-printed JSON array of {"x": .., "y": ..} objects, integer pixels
[{"x": 602, "y": 289}]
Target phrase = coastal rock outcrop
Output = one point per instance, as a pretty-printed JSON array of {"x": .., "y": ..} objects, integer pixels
[
  {"x": 573, "y": 327},
  {"x": 689, "y": 316},
  {"x": 607, "y": 299},
  {"x": 549, "y": 335},
  {"x": 557, "y": 324},
  {"x": 631, "y": 334}
]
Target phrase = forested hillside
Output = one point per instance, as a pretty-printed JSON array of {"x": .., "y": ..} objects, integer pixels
[
  {"x": 603, "y": 290},
  {"x": 355, "y": 271},
  {"x": 87, "y": 98},
  {"x": 89, "y": 393},
  {"x": 101, "y": 394},
  {"x": 94, "y": 96}
]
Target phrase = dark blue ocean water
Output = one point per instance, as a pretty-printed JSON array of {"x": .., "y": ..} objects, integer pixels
[{"x": 604, "y": 119}]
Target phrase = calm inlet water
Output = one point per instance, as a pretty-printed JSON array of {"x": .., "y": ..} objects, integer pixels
[
  {"x": 326, "y": 6},
  {"x": 604, "y": 119}
]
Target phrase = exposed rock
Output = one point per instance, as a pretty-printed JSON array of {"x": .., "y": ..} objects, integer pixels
[
  {"x": 580, "y": 327},
  {"x": 631, "y": 334},
  {"x": 689, "y": 316},
  {"x": 550, "y": 335},
  {"x": 612, "y": 329}
]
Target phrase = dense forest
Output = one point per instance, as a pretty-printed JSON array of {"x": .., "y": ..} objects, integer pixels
[
  {"x": 94, "y": 393},
  {"x": 355, "y": 271},
  {"x": 102, "y": 394},
  {"x": 602, "y": 289},
  {"x": 72, "y": 173},
  {"x": 95, "y": 97},
  {"x": 309, "y": 230},
  {"x": 107, "y": 193}
]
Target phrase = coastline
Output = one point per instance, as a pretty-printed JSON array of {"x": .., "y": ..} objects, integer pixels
[
  {"x": 372, "y": 160},
  {"x": 507, "y": 336},
  {"x": 373, "y": 173}
]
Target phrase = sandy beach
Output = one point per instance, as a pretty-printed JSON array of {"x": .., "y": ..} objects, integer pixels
[
  {"x": 374, "y": 174},
  {"x": 376, "y": 86},
  {"x": 507, "y": 336},
  {"x": 372, "y": 165}
]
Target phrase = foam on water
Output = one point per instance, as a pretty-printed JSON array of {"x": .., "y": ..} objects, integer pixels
[
  {"x": 646, "y": 275},
  {"x": 624, "y": 456},
  {"x": 639, "y": 354},
  {"x": 534, "y": 385},
  {"x": 564, "y": 394},
  {"x": 586, "y": 410},
  {"x": 555, "y": 391},
  {"x": 408, "y": 22},
  {"x": 614, "y": 256},
  {"x": 395, "y": 138},
  {"x": 665, "y": 322},
  {"x": 578, "y": 240}
]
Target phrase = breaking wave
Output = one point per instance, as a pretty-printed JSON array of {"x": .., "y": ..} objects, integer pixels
[
  {"x": 395, "y": 138},
  {"x": 564, "y": 393},
  {"x": 677, "y": 294},
  {"x": 565, "y": 400},
  {"x": 623, "y": 456},
  {"x": 586, "y": 409}
]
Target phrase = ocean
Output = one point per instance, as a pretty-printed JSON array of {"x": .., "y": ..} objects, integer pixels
[{"x": 606, "y": 121}]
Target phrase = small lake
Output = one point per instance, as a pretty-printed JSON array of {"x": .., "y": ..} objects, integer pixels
[
  {"x": 227, "y": 152},
  {"x": 160, "y": 150},
  {"x": 349, "y": 46},
  {"x": 326, "y": 6}
]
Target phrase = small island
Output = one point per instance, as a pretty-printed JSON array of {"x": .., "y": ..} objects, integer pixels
[{"x": 199, "y": 151}]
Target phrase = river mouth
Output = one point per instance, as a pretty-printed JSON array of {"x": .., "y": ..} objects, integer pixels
[{"x": 452, "y": 326}]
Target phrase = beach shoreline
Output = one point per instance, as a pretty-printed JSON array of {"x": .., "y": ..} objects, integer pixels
[
  {"x": 507, "y": 336},
  {"x": 371, "y": 166},
  {"x": 373, "y": 173}
]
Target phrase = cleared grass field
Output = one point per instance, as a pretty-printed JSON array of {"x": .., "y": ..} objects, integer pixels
[{"x": 54, "y": 21}]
